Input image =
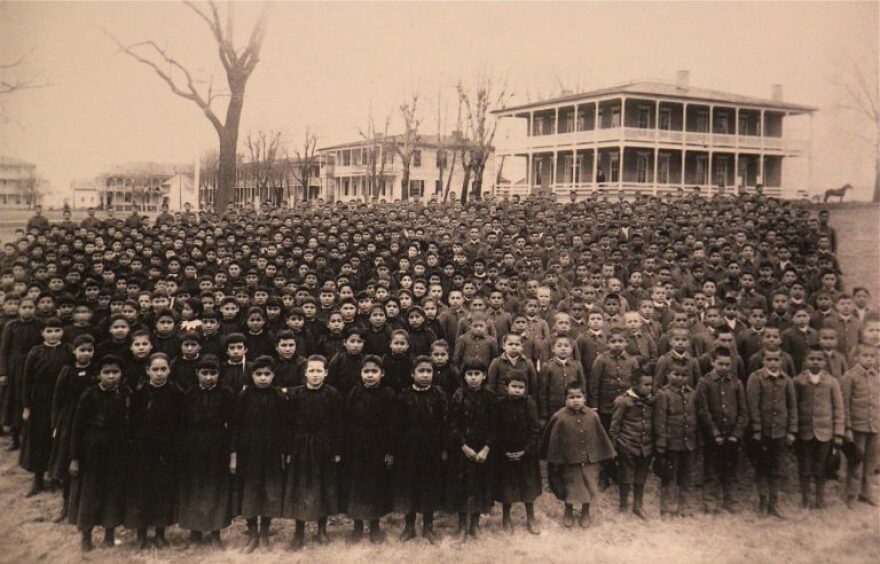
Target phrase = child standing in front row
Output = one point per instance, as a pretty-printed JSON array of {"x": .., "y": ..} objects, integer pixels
[
  {"x": 517, "y": 470},
  {"x": 632, "y": 434},
  {"x": 98, "y": 454},
  {"x": 472, "y": 427},
  {"x": 370, "y": 426},
  {"x": 258, "y": 452},
  {"x": 311, "y": 492},
  {"x": 574, "y": 444},
  {"x": 675, "y": 438},
  {"x": 861, "y": 399},
  {"x": 420, "y": 450}
]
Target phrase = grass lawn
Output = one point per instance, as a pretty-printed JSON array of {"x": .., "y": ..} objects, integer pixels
[{"x": 836, "y": 534}]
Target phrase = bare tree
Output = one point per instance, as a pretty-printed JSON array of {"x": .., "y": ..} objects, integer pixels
[
  {"x": 445, "y": 149},
  {"x": 209, "y": 176},
  {"x": 478, "y": 131},
  {"x": 263, "y": 167},
  {"x": 304, "y": 163},
  {"x": 238, "y": 65},
  {"x": 408, "y": 144},
  {"x": 18, "y": 75},
  {"x": 861, "y": 96},
  {"x": 376, "y": 156}
]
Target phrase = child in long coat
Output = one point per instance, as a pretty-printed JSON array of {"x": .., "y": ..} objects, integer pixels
[
  {"x": 420, "y": 450},
  {"x": 74, "y": 379},
  {"x": 311, "y": 492},
  {"x": 517, "y": 469},
  {"x": 98, "y": 455},
  {"x": 472, "y": 434},
  {"x": 156, "y": 410},
  {"x": 259, "y": 448},
  {"x": 41, "y": 369},
  {"x": 19, "y": 336},
  {"x": 205, "y": 486},
  {"x": 574, "y": 444},
  {"x": 368, "y": 450}
]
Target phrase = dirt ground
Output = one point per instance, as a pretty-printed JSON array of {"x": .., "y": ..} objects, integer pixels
[{"x": 28, "y": 535}]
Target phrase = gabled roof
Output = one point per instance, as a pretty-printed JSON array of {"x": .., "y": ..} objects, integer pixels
[
  {"x": 425, "y": 140},
  {"x": 666, "y": 90}
]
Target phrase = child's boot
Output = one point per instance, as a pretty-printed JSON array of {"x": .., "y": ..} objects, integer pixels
[
  {"x": 322, "y": 537},
  {"x": 568, "y": 516},
  {"x": 623, "y": 490},
  {"x": 214, "y": 540},
  {"x": 159, "y": 540},
  {"x": 85, "y": 541},
  {"x": 299, "y": 536},
  {"x": 506, "y": 523},
  {"x": 409, "y": 528},
  {"x": 805, "y": 491},
  {"x": 265, "y": 524},
  {"x": 820, "y": 493},
  {"x": 428, "y": 527},
  {"x": 252, "y": 527},
  {"x": 474, "y": 530},
  {"x": 37, "y": 486},
  {"x": 727, "y": 497},
  {"x": 195, "y": 539},
  {"x": 109, "y": 537},
  {"x": 684, "y": 506},
  {"x": 773, "y": 502},
  {"x": 584, "y": 521},
  {"x": 376, "y": 535},
  {"x": 142, "y": 540},
  {"x": 461, "y": 531},
  {"x": 357, "y": 532},
  {"x": 638, "y": 500},
  {"x": 62, "y": 515},
  {"x": 15, "y": 444},
  {"x": 531, "y": 523}
]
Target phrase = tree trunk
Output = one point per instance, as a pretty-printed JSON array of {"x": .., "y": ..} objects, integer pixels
[
  {"x": 404, "y": 183},
  {"x": 477, "y": 184},
  {"x": 465, "y": 183},
  {"x": 226, "y": 184}
]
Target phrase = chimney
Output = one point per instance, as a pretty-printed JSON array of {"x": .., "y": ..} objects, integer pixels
[
  {"x": 776, "y": 93},
  {"x": 683, "y": 79}
]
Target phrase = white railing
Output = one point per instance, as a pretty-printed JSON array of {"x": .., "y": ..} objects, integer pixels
[
  {"x": 639, "y": 134},
  {"x": 695, "y": 138},
  {"x": 724, "y": 140},
  {"x": 669, "y": 136}
]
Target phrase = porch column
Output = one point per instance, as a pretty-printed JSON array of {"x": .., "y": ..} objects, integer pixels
[
  {"x": 574, "y": 168},
  {"x": 595, "y": 166},
  {"x": 657, "y": 115},
  {"x": 556, "y": 122},
  {"x": 553, "y": 173},
  {"x": 711, "y": 184},
  {"x": 596, "y": 120},
  {"x": 736, "y": 170},
  {"x": 656, "y": 162},
  {"x": 761, "y": 168},
  {"x": 683, "y": 162},
  {"x": 531, "y": 123},
  {"x": 620, "y": 165},
  {"x": 529, "y": 172}
]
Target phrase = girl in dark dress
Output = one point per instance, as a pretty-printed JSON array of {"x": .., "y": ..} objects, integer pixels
[
  {"x": 204, "y": 493},
  {"x": 98, "y": 455},
  {"x": 74, "y": 379},
  {"x": 42, "y": 366},
  {"x": 311, "y": 492},
  {"x": 156, "y": 410},
  {"x": 517, "y": 469},
  {"x": 117, "y": 343},
  {"x": 19, "y": 336},
  {"x": 259, "y": 447},
  {"x": 420, "y": 450},
  {"x": 369, "y": 440},
  {"x": 398, "y": 362},
  {"x": 289, "y": 367},
  {"x": 472, "y": 433},
  {"x": 344, "y": 370}
]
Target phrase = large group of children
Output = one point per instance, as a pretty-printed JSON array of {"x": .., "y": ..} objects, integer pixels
[{"x": 410, "y": 357}]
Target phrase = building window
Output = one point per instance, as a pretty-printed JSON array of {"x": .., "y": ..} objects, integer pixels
[
  {"x": 722, "y": 124},
  {"x": 438, "y": 186},
  {"x": 441, "y": 159},
  {"x": 665, "y": 119},
  {"x": 417, "y": 158},
  {"x": 663, "y": 169},
  {"x": 539, "y": 125},
  {"x": 615, "y": 117},
  {"x": 703, "y": 121},
  {"x": 644, "y": 117},
  {"x": 614, "y": 164},
  {"x": 416, "y": 188},
  {"x": 642, "y": 167}
]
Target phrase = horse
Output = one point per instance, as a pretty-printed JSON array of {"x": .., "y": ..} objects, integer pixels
[{"x": 837, "y": 192}]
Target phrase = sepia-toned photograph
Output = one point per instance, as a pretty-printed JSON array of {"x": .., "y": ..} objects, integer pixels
[{"x": 467, "y": 281}]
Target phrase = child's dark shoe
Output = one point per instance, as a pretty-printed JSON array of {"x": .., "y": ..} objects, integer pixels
[{"x": 408, "y": 534}]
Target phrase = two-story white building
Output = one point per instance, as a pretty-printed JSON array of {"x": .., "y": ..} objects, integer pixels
[{"x": 651, "y": 137}]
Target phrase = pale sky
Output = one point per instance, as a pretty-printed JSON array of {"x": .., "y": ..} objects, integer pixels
[{"x": 328, "y": 65}]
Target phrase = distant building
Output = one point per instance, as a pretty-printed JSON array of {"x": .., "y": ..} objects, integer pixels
[
  {"x": 20, "y": 187},
  {"x": 146, "y": 187},
  {"x": 651, "y": 137},
  {"x": 346, "y": 169},
  {"x": 84, "y": 194}
]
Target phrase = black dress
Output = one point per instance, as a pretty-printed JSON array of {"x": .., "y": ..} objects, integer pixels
[
  {"x": 517, "y": 429},
  {"x": 398, "y": 371},
  {"x": 98, "y": 442},
  {"x": 369, "y": 437},
  {"x": 205, "y": 485},
  {"x": 18, "y": 338},
  {"x": 156, "y": 414},
  {"x": 420, "y": 442},
  {"x": 312, "y": 487},
  {"x": 344, "y": 372},
  {"x": 72, "y": 382},
  {"x": 42, "y": 367},
  {"x": 472, "y": 423},
  {"x": 184, "y": 372},
  {"x": 260, "y": 437}
]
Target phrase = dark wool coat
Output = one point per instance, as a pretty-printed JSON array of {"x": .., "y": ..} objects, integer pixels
[
  {"x": 376, "y": 341},
  {"x": 72, "y": 382},
  {"x": 312, "y": 488},
  {"x": 98, "y": 442},
  {"x": 420, "y": 340},
  {"x": 471, "y": 422},
  {"x": 632, "y": 424},
  {"x": 370, "y": 425},
  {"x": 184, "y": 373},
  {"x": 421, "y": 439},
  {"x": 447, "y": 379},
  {"x": 398, "y": 371},
  {"x": 234, "y": 376},
  {"x": 16, "y": 342},
  {"x": 205, "y": 485},
  {"x": 42, "y": 367},
  {"x": 156, "y": 417},
  {"x": 344, "y": 372},
  {"x": 290, "y": 372},
  {"x": 516, "y": 429},
  {"x": 260, "y": 440},
  {"x": 575, "y": 437}
]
